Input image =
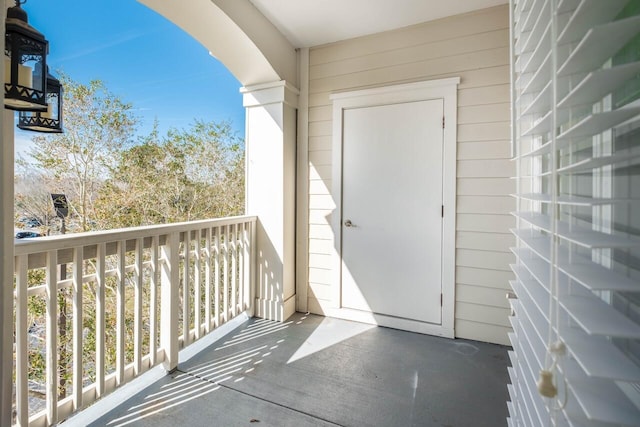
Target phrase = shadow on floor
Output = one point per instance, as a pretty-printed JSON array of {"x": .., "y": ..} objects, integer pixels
[{"x": 317, "y": 371}]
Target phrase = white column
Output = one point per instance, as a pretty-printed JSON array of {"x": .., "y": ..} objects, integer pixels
[
  {"x": 6, "y": 253},
  {"x": 6, "y": 268},
  {"x": 271, "y": 184},
  {"x": 302, "y": 180}
]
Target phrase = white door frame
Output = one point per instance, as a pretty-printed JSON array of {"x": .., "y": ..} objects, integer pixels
[{"x": 445, "y": 89}]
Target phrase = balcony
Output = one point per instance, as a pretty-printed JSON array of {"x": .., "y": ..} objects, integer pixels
[
  {"x": 174, "y": 285},
  {"x": 318, "y": 371},
  {"x": 164, "y": 287}
]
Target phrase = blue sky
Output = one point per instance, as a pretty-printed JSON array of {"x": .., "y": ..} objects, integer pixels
[{"x": 141, "y": 57}]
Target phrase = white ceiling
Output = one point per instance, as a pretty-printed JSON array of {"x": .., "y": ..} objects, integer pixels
[{"x": 314, "y": 22}]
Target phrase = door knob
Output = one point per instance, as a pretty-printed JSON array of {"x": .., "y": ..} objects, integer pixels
[{"x": 348, "y": 223}]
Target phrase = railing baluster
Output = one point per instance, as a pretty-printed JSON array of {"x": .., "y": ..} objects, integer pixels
[
  {"x": 234, "y": 265},
  {"x": 196, "y": 285},
  {"x": 153, "y": 303},
  {"x": 137, "y": 310},
  {"x": 78, "y": 255},
  {"x": 100, "y": 318},
  {"x": 254, "y": 262},
  {"x": 207, "y": 272},
  {"x": 225, "y": 260},
  {"x": 120, "y": 325},
  {"x": 186, "y": 306},
  {"x": 216, "y": 297},
  {"x": 169, "y": 316},
  {"x": 52, "y": 336},
  {"x": 247, "y": 266},
  {"x": 241, "y": 261},
  {"x": 22, "y": 334}
]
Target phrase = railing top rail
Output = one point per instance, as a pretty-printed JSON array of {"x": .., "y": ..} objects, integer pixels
[{"x": 43, "y": 244}]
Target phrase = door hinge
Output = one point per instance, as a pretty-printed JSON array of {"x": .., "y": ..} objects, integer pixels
[
  {"x": 441, "y": 300},
  {"x": 442, "y": 122},
  {"x": 442, "y": 211}
]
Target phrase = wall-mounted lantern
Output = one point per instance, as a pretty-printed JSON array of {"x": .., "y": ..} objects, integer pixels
[
  {"x": 25, "y": 63},
  {"x": 49, "y": 121}
]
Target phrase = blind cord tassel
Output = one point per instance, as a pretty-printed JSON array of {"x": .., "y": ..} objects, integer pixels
[{"x": 545, "y": 384}]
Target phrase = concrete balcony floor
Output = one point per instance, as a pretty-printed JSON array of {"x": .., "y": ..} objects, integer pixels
[{"x": 316, "y": 371}]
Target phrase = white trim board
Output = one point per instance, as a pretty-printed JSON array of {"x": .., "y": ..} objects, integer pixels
[{"x": 445, "y": 89}]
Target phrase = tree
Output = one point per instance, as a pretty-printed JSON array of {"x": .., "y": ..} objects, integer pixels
[
  {"x": 33, "y": 197},
  {"x": 98, "y": 126},
  {"x": 193, "y": 173}
]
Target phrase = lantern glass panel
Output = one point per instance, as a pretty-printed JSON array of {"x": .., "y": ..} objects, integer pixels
[{"x": 49, "y": 121}]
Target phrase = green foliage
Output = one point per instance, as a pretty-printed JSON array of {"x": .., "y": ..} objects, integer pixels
[{"x": 189, "y": 174}]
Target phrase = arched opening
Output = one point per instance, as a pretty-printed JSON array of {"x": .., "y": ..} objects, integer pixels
[{"x": 238, "y": 35}]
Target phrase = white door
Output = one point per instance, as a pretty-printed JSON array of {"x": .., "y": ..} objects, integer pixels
[{"x": 392, "y": 210}]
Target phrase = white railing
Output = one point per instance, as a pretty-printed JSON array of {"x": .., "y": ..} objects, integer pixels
[{"x": 132, "y": 298}]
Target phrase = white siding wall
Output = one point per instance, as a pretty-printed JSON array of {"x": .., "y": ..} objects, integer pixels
[{"x": 474, "y": 47}]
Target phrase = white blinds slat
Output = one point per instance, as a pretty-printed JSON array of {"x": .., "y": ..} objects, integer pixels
[
  {"x": 538, "y": 79},
  {"x": 599, "y": 318},
  {"x": 599, "y": 122},
  {"x": 599, "y": 83},
  {"x": 598, "y": 357},
  {"x": 565, "y": 6},
  {"x": 601, "y": 400},
  {"x": 529, "y": 25},
  {"x": 592, "y": 276},
  {"x": 580, "y": 235},
  {"x": 598, "y": 44},
  {"x": 586, "y": 15}
]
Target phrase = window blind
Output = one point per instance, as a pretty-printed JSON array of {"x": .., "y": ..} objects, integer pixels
[{"x": 576, "y": 143}]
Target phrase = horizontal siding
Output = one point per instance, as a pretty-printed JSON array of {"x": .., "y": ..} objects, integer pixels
[
  {"x": 483, "y": 95},
  {"x": 488, "y": 75},
  {"x": 484, "y": 186},
  {"x": 492, "y": 131},
  {"x": 497, "y": 279},
  {"x": 480, "y": 295},
  {"x": 485, "y": 223},
  {"x": 321, "y": 277},
  {"x": 484, "y": 259},
  {"x": 322, "y": 128},
  {"x": 443, "y": 29},
  {"x": 474, "y": 47},
  {"x": 321, "y": 260},
  {"x": 487, "y": 59},
  {"x": 319, "y": 143},
  {"x": 487, "y": 113},
  {"x": 317, "y": 305},
  {"x": 319, "y": 187},
  {"x": 438, "y": 50},
  {"x": 498, "y": 316},
  {"x": 483, "y": 150},
  {"x": 320, "y": 216},
  {"x": 485, "y": 204},
  {"x": 320, "y": 157},
  {"x": 320, "y": 231},
  {"x": 486, "y": 168},
  {"x": 479, "y": 331},
  {"x": 322, "y": 172},
  {"x": 488, "y": 241}
]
